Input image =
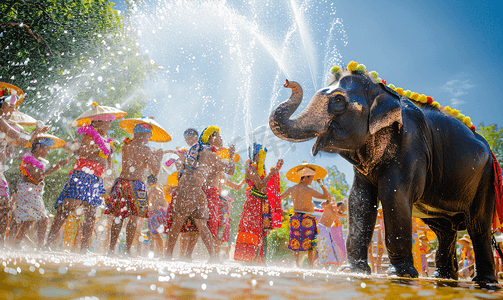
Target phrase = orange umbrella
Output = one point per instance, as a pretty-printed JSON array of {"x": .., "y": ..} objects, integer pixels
[
  {"x": 223, "y": 153},
  {"x": 158, "y": 133},
  {"x": 295, "y": 173},
  {"x": 58, "y": 143},
  {"x": 14, "y": 90},
  {"x": 22, "y": 119},
  {"x": 173, "y": 179},
  {"x": 95, "y": 111}
]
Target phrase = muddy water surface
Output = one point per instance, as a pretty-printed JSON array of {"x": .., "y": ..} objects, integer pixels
[{"x": 52, "y": 275}]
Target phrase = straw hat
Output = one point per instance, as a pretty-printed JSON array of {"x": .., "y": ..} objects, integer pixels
[
  {"x": 465, "y": 240},
  {"x": 58, "y": 143},
  {"x": 158, "y": 133},
  {"x": 173, "y": 179},
  {"x": 95, "y": 111},
  {"x": 223, "y": 153},
  {"x": 21, "y": 118},
  {"x": 14, "y": 90},
  {"x": 295, "y": 173}
]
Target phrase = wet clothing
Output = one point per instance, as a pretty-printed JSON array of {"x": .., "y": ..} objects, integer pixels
[
  {"x": 128, "y": 198},
  {"x": 213, "y": 198},
  {"x": 192, "y": 201},
  {"x": 29, "y": 203},
  {"x": 84, "y": 187},
  {"x": 303, "y": 232},
  {"x": 224, "y": 228},
  {"x": 330, "y": 250},
  {"x": 255, "y": 224},
  {"x": 4, "y": 187},
  {"x": 156, "y": 218}
]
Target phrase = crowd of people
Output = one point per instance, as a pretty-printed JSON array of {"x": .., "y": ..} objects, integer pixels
[{"x": 192, "y": 205}]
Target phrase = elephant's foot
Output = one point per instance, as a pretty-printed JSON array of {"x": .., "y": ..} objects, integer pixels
[
  {"x": 403, "y": 269},
  {"x": 361, "y": 267},
  {"x": 445, "y": 273},
  {"x": 484, "y": 278}
]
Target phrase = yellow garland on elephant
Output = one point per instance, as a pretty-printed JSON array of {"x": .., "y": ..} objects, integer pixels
[{"x": 353, "y": 66}]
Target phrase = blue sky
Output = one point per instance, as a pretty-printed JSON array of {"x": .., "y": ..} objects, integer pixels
[{"x": 224, "y": 62}]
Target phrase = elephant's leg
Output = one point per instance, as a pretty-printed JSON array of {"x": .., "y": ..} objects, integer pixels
[
  {"x": 397, "y": 201},
  {"x": 362, "y": 211},
  {"x": 479, "y": 229},
  {"x": 445, "y": 258}
]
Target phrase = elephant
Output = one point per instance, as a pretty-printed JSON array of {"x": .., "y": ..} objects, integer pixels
[{"x": 417, "y": 161}]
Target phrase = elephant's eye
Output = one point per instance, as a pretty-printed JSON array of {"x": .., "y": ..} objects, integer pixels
[{"x": 336, "y": 103}]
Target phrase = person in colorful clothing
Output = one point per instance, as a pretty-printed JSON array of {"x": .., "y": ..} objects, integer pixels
[
  {"x": 224, "y": 229},
  {"x": 211, "y": 141},
  {"x": 85, "y": 185},
  {"x": 303, "y": 223},
  {"x": 128, "y": 195},
  {"x": 10, "y": 97},
  {"x": 331, "y": 246},
  {"x": 258, "y": 216},
  {"x": 158, "y": 213},
  {"x": 29, "y": 203},
  {"x": 190, "y": 200}
]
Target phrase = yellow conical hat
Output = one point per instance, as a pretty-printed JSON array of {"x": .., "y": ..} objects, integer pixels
[
  {"x": 14, "y": 90},
  {"x": 58, "y": 143},
  {"x": 95, "y": 111},
  {"x": 295, "y": 173},
  {"x": 158, "y": 133}
]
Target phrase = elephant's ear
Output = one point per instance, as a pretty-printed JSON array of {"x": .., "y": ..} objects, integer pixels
[{"x": 385, "y": 110}]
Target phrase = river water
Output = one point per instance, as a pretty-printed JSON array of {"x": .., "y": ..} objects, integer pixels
[{"x": 62, "y": 275}]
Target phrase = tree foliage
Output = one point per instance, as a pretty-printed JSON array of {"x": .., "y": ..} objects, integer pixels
[
  {"x": 67, "y": 54},
  {"x": 494, "y": 137}
]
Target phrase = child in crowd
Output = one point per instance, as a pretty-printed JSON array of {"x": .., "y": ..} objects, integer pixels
[
  {"x": 157, "y": 214},
  {"x": 331, "y": 247},
  {"x": 29, "y": 203}
]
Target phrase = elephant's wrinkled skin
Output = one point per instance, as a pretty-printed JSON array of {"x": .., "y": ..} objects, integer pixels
[{"x": 418, "y": 162}]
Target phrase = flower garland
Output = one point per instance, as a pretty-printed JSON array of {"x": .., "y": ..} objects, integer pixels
[
  {"x": 30, "y": 159},
  {"x": 353, "y": 66},
  {"x": 90, "y": 131}
]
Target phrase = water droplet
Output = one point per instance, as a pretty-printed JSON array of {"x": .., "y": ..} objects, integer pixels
[
  {"x": 203, "y": 286},
  {"x": 363, "y": 285}
]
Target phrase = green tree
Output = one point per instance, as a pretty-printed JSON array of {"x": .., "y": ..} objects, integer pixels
[
  {"x": 494, "y": 137},
  {"x": 67, "y": 54}
]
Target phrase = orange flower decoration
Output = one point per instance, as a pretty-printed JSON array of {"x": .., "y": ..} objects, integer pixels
[
  {"x": 294, "y": 244},
  {"x": 307, "y": 223},
  {"x": 295, "y": 223},
  {"x": 306, "y": 244}
]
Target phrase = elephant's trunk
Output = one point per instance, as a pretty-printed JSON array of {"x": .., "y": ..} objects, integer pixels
[{"x": 302, "y": 127}]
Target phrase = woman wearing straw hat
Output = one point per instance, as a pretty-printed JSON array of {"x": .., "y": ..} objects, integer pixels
[
  {"x": 85, "y": 185},
  {"x": 466, "y": 264},
  {"x": 29, "y": 203},
  {"x": 303, "y": 223},
  {"x": 10, "y": 97},
  {"x": 128, "y": 195}
]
